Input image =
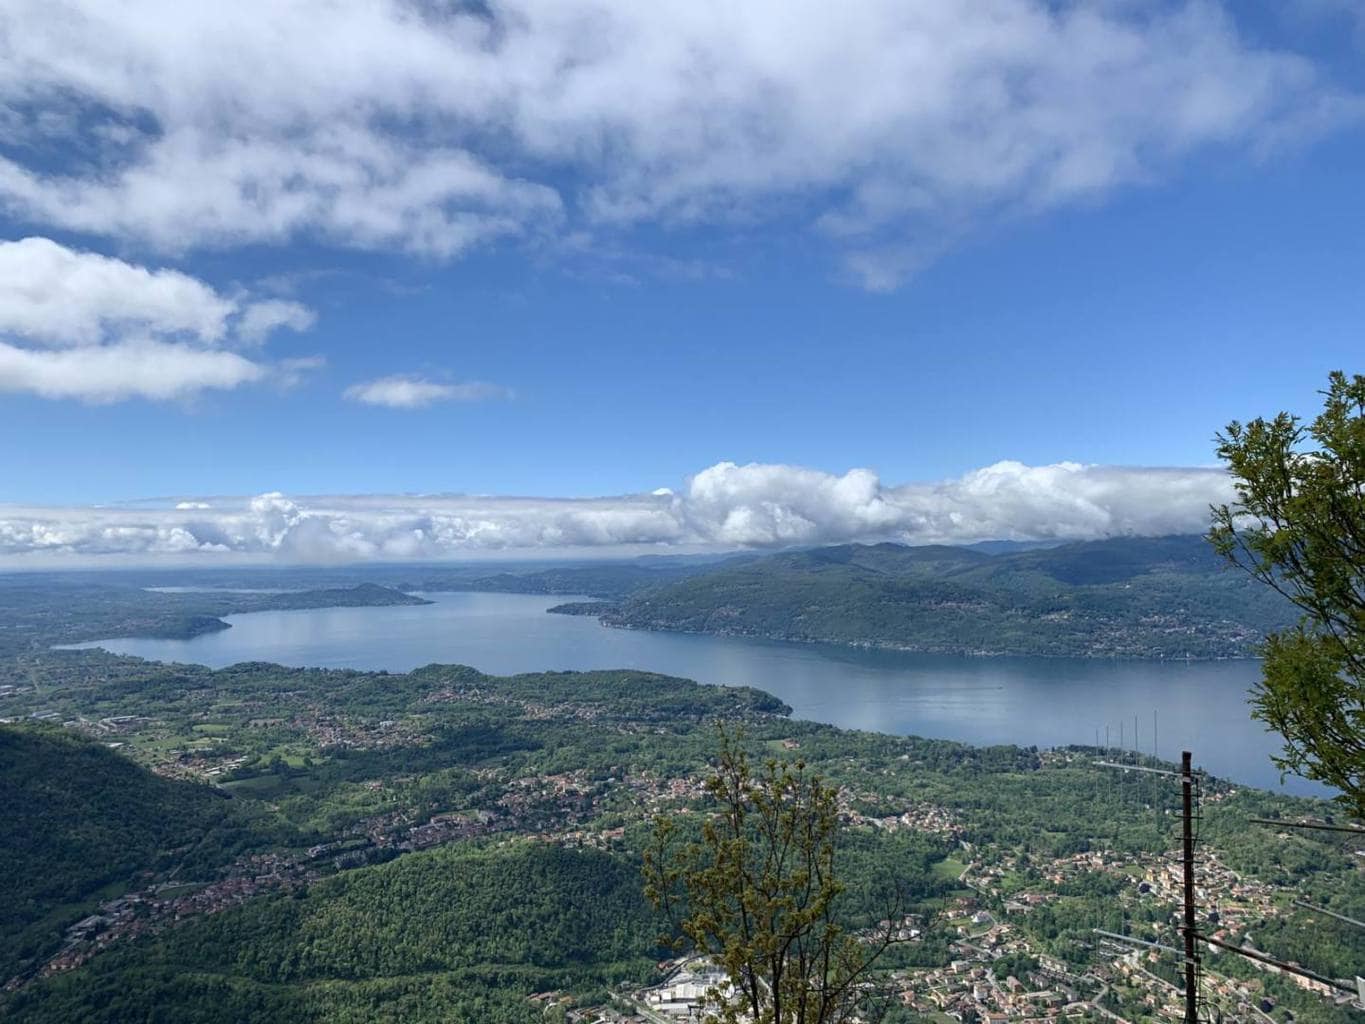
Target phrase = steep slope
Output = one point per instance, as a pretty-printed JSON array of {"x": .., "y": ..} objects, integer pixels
[
  {"x": 457, "y": 934},
  {"x": 1127, "y": 597},
  {"x": 79, "y": 820}
]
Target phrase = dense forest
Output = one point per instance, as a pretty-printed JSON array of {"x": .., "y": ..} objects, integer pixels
[
  {"x": 1165, "y": 597},
  {"x": 458, "y": 933},
  {"x": 79, "y": 817}
]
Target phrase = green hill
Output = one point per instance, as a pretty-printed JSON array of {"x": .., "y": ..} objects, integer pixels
[
  {"x": 56, "y": 608},
  {"x": 461, "y": 934},
  {"x": 81, "y": 822},
  {"x": 1159, "y": 597}
]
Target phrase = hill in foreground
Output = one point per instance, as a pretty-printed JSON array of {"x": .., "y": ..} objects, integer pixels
[
  {"x": 82, "y": 822},
  {"x": 457, "y": 933},
  {"x": 450, "y": 844}
]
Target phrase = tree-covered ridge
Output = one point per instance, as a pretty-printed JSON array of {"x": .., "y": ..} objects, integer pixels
[
  {"x": 454, "y": 934},
  {"x": 41, "y": 610},
  {"x": 1129, "y": 597},
  {"x": 79, "y": 817}
]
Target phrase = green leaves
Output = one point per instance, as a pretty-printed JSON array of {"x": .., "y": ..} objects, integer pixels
[
  {"x": 756, "y": 893},
  {"x": 1311, "y": 698},
  {"x": 1298, "y": 526}
]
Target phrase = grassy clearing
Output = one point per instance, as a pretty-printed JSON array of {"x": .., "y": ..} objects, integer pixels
[{"x": 950, "y": 868}]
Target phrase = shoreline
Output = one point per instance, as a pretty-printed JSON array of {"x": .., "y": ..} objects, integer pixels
[{"x": 955, "y": 652}]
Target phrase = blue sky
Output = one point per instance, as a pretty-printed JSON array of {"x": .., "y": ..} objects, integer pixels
[{"x": 1102, "y": 269}]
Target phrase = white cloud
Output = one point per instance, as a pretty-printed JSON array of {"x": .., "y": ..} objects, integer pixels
[
  {"x": 288, "y": 374},
  {"x": 60, "y": 296},
  {"x": 80, "y": 325},
  {"x": 404, "y": 391},
  {"x": 767, "y": 505},
  {"x": 431, "y": 128},
  {"x": 132, "y": 369},
  {"x": 725, "y": 506},
  {"x": 261, "y": 319}
]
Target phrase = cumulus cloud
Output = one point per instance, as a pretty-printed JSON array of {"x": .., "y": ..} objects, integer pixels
[
  {"x": 60, "y": 296},
  {"x": 110, "y": 373},
  {"x": 80, "y": 325},
  {"x": 726, "y": 506},
  {"x": 405, "y": 391},
  {"x": 432, "y": 128}
]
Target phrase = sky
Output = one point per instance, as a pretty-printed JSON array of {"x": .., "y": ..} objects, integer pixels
[{"x": 342, "y": 281}]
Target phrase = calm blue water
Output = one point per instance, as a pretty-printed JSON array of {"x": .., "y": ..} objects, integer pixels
[{"x": 1199, "y": 706}]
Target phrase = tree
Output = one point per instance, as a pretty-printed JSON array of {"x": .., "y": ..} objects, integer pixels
[
  {"x": 1298, "y": 525},
  {"x": 757, "y": 895}
]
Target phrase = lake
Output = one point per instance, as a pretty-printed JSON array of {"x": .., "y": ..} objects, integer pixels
[{"x": 1200, "y": 706}]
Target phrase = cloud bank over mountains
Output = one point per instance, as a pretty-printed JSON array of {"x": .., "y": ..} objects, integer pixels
[
  {"x": 889, "y": 129},
  {"x": 726, "y": 506}
]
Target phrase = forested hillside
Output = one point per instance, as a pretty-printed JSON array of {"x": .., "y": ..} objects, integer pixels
[
  {"x": 81, "y": 821},
  {"x": 459, "y": 933},
  {"x": 41, "y": 609},
  {"x": 1165, "y": 597}
]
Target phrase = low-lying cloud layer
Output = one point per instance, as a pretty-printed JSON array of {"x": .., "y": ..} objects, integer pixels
[
  {"x": 723, "y": 507},
  {"x": 80, "y": 325},
  {"x": 889, "y": 127}
]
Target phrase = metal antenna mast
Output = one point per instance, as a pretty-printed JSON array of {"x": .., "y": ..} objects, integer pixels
[
  {"x": 1189, "y": 930},
  {"x": 1187, "y": 863}
]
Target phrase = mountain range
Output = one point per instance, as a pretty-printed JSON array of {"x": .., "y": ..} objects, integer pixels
[{"x": 1157, "y": 597}]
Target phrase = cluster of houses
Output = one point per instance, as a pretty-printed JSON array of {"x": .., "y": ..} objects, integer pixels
[{"x": 150, "y": 909}]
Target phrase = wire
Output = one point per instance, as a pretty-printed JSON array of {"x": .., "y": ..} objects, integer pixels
[
  {"x": 1320, "y": 826},
  {"x": 1329, "y": 913},
  {"x": 1256, "y": 954}
]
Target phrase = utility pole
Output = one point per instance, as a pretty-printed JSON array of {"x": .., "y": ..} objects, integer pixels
[
  {"x": 1189, "y": 929},
  {"x": 1187, "y": 842}
]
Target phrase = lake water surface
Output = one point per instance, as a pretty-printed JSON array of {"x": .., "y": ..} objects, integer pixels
[{"x": 1199, "y": 706}]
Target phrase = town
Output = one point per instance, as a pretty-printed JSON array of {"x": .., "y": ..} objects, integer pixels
[{"x": 1004, "y": 931}]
